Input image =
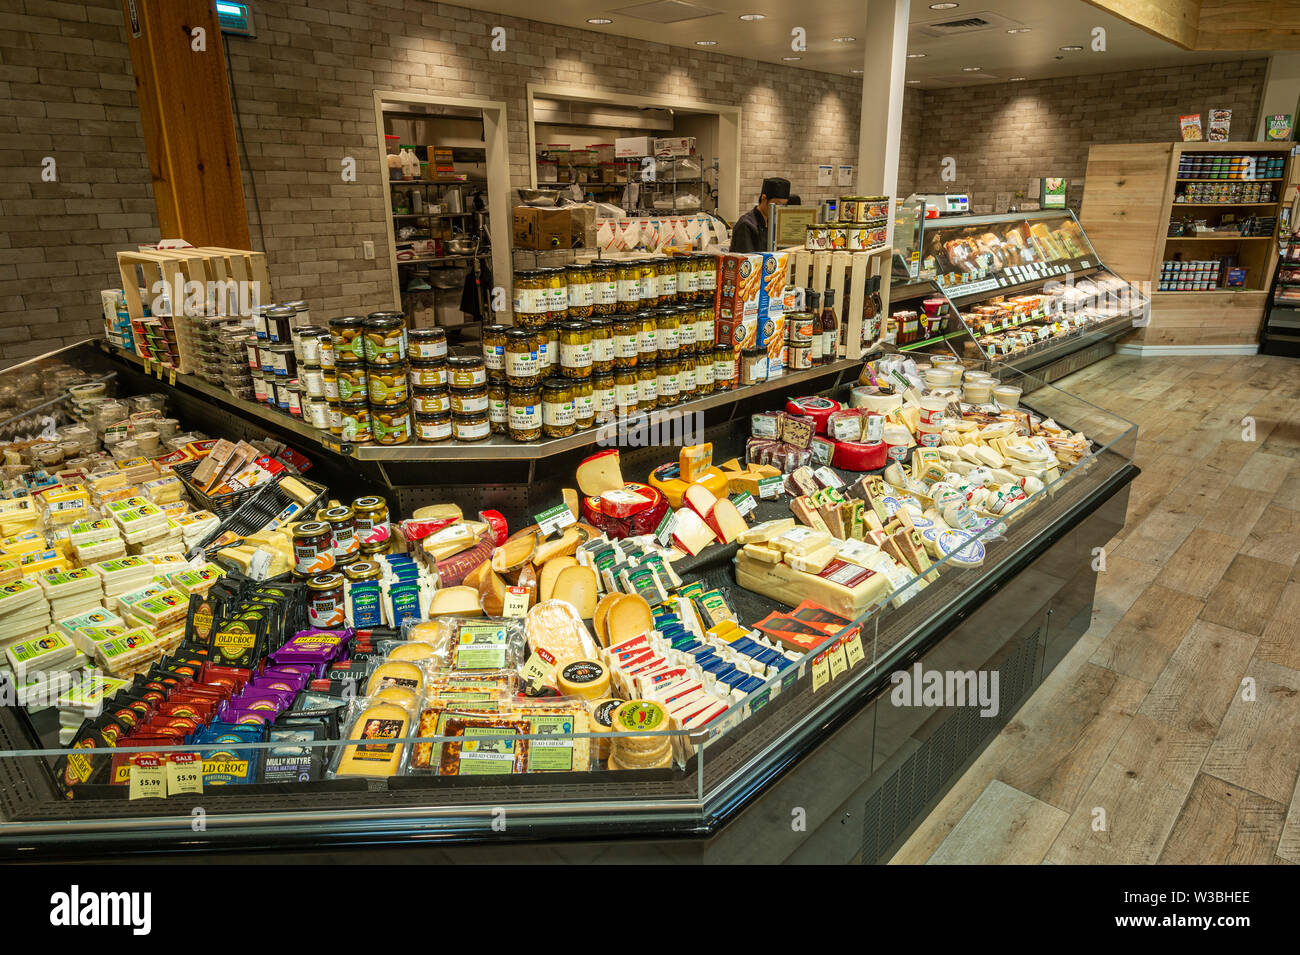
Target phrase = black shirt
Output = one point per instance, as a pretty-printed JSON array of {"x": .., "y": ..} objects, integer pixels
[{"x": 750, "y": 232}]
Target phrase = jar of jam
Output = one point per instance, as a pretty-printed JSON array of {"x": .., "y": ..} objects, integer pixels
[
  {"x": 629, "y": 286},
  {"x": 627, "y": 392},
  {"x": 388, "y": 384},
  {"x": 523, "y": 364},
  {"x": 368, "y": 513},
  {"x": 666, "y": 281},
  {"x": 466, "y": 371},
  {"x": 430, "y": 344},
  {"x": 557, "y": 295},
  {"x": 343, "y": 527},
  {"x": 559, "y": 419},
  {"x": 430, "y": 401},
  {"x": 279, "y": 323},
  {"x": 469, "y": 401},
  {"x": 724, "y": 367},
  {"x": 385, "y": 338},
  {"x": 577, "y": 279},
  {"x": 351, "y": 381},
  {"x": 295, "y": 398},
  {"x": 307, "y": 341},
  {"x": 498, "y": 409},
  {"x": 354, "y": 423},
  {"x": 259, "y": 322},
  {"x": 494, "y": 351},
  {"x": 602, "y": 345},
  {"x": 647, "y": 338},
  {"x": 428, "y": 374},
  {"x": 433, "y": 428},
  {"x": 627, "y": 334},
  {"x": 705, "y": 327},
  {"x": 532, "y": 298},
  {"x": 647, "y": 386},
  {"x": 602, "y": 388},
  {"x": 584, "y": 404},
  {"x": 548, "y": 354},
  {"x": 391, "y": 424},
  {"x": 325, "y": 601},
  {"x": 524, "y": 413},
  {"x": 312, "y": 548},
  {"x": 577, "y": 352},
  {"x": 471, "y": 427},
  {"x": 668, "y": 385},
  {"x": 667, "y": 333},
  {"x": 686, "y": 331},
  {"x": 283, "y": 364},
  {"x": 347, "y": 338},
  {"x": 604, "y": 288},
  {"x": 328, "y": 357},
  {"x": 686, "y": 379},
  {"x": 704, "y": 372}
]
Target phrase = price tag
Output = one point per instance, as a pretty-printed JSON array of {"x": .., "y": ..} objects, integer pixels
[
  {"x": 744, "y": 502},
  {"x": 184, "y": 775},
  {"x": 171, "y": 377},
  {"x": 821, "y": 676},
  {"x": 769, "y": 488},
  {"x": 147, "y": 778},
  {"x": 664, "y": 532},
  {"x": 554, "y": 519},
  {"x": 854, "y": 651},
  {"x": 540, "y": 666},
  {"x": 836, "y": 656},
  {"x": 516, "y": 603},
  {"x": 1085, "y": 264}
]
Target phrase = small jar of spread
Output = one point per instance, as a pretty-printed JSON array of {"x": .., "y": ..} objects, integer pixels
[
  {"x": 498, "y": 410},
  {"x": 604, "y": 288},
  {"x": 469, "y": 401},
  {"x": 466, "y": 371},
  {"x": 373, "y": 549},
  {"x": 471, "y": 427},
  {"x": 494, "y": 351},
  {"x": 524, "y": 414},
  {"x": 627, "y": 392},
  {"x": 428, "y": 374},
  {"x": 354, "y": 423},
  {"x": 388, "y": 384},
  {"x": 330, "y": 383},
  {"x": 368, "y": 513},
  {"x": 430, "y": 401},
  {"x": 576, "y": 350},
  {"x": 724, "y": 367},
  {"x": 753, "y": 366},
  {"x": 385, "y": 338},
  {"x": 316, "y": 412},
  {"x": 668, "y": 385},
  {"x": 347, "y": 336},
  {"x": 259, "y": 322},
  {"x": 584, "y": 404},
  {"x": 602, "y": 391},
  {"x": 429, "y": 344},
  {"x": 313, "y": 544},
  {"x": 522, "y": 357},
  {"x": 308, "y": 343},
  {"x": 279, "y": 323},
  {"x": 559, "y": 419},
  {"x": 351, "y": 381},
  {"x": 343, "y": 531},
  {"x": 336, "y": 417},
  {"x": 433, "y": 428},
  {"x": 362, "y": 570},
  {"x": 647, "y": 386},
  {"x": 626, "y": 337},
  {"x": 328, "y": 357},
  {"x": 295, "y": 391},
  {"x": 325, "y": 601},
  {"x": 312, "y": 380},
  {"x": 283, "y": 364},
  {"x": 391, "y": 424},
  {"x": 602, "y": 345},
  {"x": 577, "y": 279}
]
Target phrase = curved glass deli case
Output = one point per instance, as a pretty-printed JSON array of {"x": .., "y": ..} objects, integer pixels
[{"x": 819, "y": 732}]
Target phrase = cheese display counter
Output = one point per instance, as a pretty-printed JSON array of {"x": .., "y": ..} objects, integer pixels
[{"x": 780, "y": 636}]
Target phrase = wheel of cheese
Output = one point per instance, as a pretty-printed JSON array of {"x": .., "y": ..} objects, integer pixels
[
  {"x": 499, "y": 530},
  {"x": 815, "y": 407},
  {"x": 856, "y": 456},
  {"x": 667, "y": 480},
  {"x": 587, "y": 679},
  {"x": 880, "y": 404},
  {"x": 598, "y": 618},
  {"x": 627, "y": 618}
]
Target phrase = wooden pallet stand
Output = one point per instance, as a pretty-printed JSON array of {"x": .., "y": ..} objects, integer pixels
[{"x": 846, "y": 273}]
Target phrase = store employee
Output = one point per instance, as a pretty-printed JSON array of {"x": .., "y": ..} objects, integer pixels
[{"x": 750, "y": 233}]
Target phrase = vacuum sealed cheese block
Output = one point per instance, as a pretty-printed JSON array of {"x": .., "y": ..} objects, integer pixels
[
  {"x": 554, "y": 626},
  {"x": 374, "y": 724},
  {"x": 841, "y": 587}
]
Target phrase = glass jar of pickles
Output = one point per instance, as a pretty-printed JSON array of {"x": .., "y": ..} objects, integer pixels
[
  {"x": 704, "y": 372},
  {"x": 577, "y": 278},
  {"x": 385, "y": 338},
  {"x": 686, "y": 377},
  {"x": 428, "y": 401},
  {"x": 686, "y": 331},
  {"x": 428, "y": 374},
  {"x": 557, "y": 295},
  {"x": 522, "y": 359},
  {"x": 688, "y": 279},
  {"x": 351, "y": 381},
  {"x": 584, "y": 404},
  {"x": 629, "y": 286},
  {"x": 433, "y": 428},
  {"x": 647, "y": 377},
  {"x": 724, "y": 367},
  {"x": 548, "y": 353},
  {"x": 471, "y": 427},
  {"x": 368, "y": 513},
  {"x": 469, "y": 401},
  {"x": 559, "y": 419},
  {"x": 705, "y": 327},
  {"x": 497, "y": 407},
  {"x": 354, "y": 424},
  {"x": 602, "y": 389},
  {"x": 666, "y": 281},
  {"x": 667, "y": 332},
  {"x": 647, "y": 337},
  {"x": 494, "y": 351},
  {"x": 706, "y": 267},
  {"x": 388, "y": 384},
  {"x": 627, "y": 391},
  {"x": 668, "y": 386},
  {"x": 602, "y": 345},
  {"x": 524, "y": 413},
  {"x": 430, "y": 344},
  {"x": 649, "y": 273},
  {"x": 391, "y": 424},
  {"x": 627, "y": 335},
  {"x": 604, "y": 288},
  {"x": 532, "y": 298},
  {"x": 466, "y": 371},
  {"x": 577, "y": 352},
  {"x": 347, "y": 338}
]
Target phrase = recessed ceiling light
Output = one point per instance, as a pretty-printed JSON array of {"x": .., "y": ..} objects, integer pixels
[
  {"x": 856, "y": 72},
  {"x": 599, "y": 21},
  {"x": 1070, "y": 49},
  {"x": 913, "y": 81},
  {"x": 792, "y": 57},
  {"x": 752, "y": 16},
  {"x": 706, "y": 42},
  {"x": 1019, "y": 30},
  {"x": 843, "y": 39},
  {"x": 944, "y": 6},
  {"x": 1015, "y": 79},
  {"x": 916, "y": 56},
  {"x": 970, "y": 69}
]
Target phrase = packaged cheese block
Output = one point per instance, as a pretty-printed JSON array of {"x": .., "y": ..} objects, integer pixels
[
  {"x": 847, "y": 593},
  {"x": 763, "y": 553},
  {"x": 812, "y": 562},
  {"x": 668, "y": 481},
  {"x": 576, "y": 586},
  {"x": 630, "y": 616},
  {"x": 765, "y": 531},
  {"x": 370, "y": 755},
  {"x": 396, "y": 673},
  {"x": 554, "y": 626},
  {"x": 413, "y": 652},
  {"x": 800, "y": 541},
  {"x": 694, "y": 461},
  {"x": 487, "y": 748},
  {"x": 458, "y": 601},
  {"x": 41, "y": 653}
]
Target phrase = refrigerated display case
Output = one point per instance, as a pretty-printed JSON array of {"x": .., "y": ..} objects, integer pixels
[
  {"x": 1029, "y": 289},
  {"x": 824, "y": 743}
]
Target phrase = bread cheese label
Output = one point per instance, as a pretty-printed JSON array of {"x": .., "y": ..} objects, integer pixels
[{"x": 481, "y": 647}]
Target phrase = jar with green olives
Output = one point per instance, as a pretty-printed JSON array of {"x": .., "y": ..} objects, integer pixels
[
  {"x": 347, "y": 336},
  {"x": 388, "y": 384},
  {"x": 647, "y": 337},
  {"x": 559, "y": 418},
  {"x": 627, "y": 336},
  {"x": 724, "y": 367},
  {"x": 391, "y": 424},
  {"x": 627, "y": 392},
  {"x": 604, "y": 288},
  {"x": 557, "y": 295},
  {"x": 498, "y": 410},
  {"x": 577, "y": 351},
  {"x": 667, "y": 333},
  {"x": 629, "y": 286},
  {"x": 577, "y": 280},
  {"x": 494, "y": 351},
  {"x": 522, "y": 357},
  {"x": 666, "y": 281},
  {"x": 524, "y": 413},
  {"x": 354, "y": 423},
  {"x": 584, "y": 403},
  {"x": 602, "y": 345},
  {"x": 602, "y": 386},
  {"x": 351, "y": 381},
  {"x": 647, "y": 386},
  {"x": 385, "y": 338},
  {"x": 668, "y": 385}
]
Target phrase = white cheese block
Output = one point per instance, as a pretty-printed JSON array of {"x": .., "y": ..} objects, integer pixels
[
  {"x": 789, "y": 586},
  {"x": 801, "y": 540},
  {"x": 766, "y": 531},
  {"x": 813, "y": 562},
  {"x": 763, "y": 553}
]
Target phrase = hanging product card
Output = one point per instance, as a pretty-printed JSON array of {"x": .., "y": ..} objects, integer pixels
[
  {"x": 821, "y": 672},
  {"x": 184, "y": 774},
  {"x": 853, "y": 650},
  {"x": 1220, "y": 123},
  {"x": 555, "y": 519},
  {"x": 539, "y": 668},
  {"x": 769, "y": 488},
  {"x": 835, "y": 655},
  {"x": 744, "y": 502},
  {"x": 147, "y": 778},
  {"x": 1190, "y": 127}
]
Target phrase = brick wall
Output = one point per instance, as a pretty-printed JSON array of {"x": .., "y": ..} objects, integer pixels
[
  {"x": 914, "y": 130},
  {"x": 66, "y": 93},
  {"x": 1005, "y": 135}
]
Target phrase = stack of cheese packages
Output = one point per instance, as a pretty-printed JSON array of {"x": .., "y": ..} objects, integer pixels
[
  {"x": 41, "y": 668},
  {"x": 85, "y": 698}
]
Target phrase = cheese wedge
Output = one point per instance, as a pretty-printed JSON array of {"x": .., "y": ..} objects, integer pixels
[{"x": 577, "y": 586}]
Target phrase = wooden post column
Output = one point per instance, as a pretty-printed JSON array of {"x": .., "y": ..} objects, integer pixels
[{"x": 189, "y": 127}]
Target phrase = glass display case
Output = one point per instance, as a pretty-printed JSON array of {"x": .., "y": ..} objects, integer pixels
[
  {"x": 816, "y": 729},
  {"x": 1028, "y": 288}
]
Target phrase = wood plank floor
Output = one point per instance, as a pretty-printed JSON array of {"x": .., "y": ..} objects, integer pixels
[{"x": 1171, "y": 732}]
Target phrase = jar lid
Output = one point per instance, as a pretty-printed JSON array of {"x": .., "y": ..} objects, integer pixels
[
  {"x": 371, "y": 502},
  {"x": 515, "y": 334},
  {"x": 467, "y": 362},
  {"x": 468, "y": 416},
  {"x": 362, "y": 570},
  {"x": 348, "y": 364},
  {"x": 311, "y": 529},
  {"x": 646, "y": 314},
  {"x": 577, "y": 325},
  {"x": 475, "y": 390},
  {"x": 528, "y": 273},
  {"x": 666, "y": 361},
  {"x": 487, "y": 330},
  {"x": 348, "y": 321},
  {"x": 391, "y": 407},
  {"x": 326, "y": 582},
  {"x": 525, "y": 390},
  {"x": 683, "y": 309},
  {"x": 385, "y": 320},
  {"x": 602, "y": 375},
  {"x": 428, "y": 363},
  {"x": 577, "y": 267},
  {"x": 298, "y": 306},
  {"x": 600, "y": 265},
  {"x": 398, "y": 367},
  {"x": 282, "y": 347},
  {"x": 600, "y": 322},
  {"x": 338, "y": 514},
  {"x": 751, "y": 352},
  {"x": 436, "y": 334},
  {"x": 558, "y": 383},
  {"x": 281, "y": 311},
  {"x": 361, "y": 405}
]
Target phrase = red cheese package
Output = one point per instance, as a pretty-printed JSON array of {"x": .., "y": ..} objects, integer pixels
[
  {"x": 639, "y": 509},
  {"x": 815, "y": 407},
  {"x": 857, "y": 456}
]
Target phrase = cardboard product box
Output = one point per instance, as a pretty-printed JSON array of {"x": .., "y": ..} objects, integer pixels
[
  {"x": 630, "y": 147},
  {"x": 535, "y": 228},
  {"x": 771, "y": 292},
  {"x": 740, "y": 332},
  {"x": 668, "y": 147}
]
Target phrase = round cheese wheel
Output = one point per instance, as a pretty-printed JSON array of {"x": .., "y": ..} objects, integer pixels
[
  {"x": 856, "y": 456},
  {"x": 399, "y": 673},
  {"x": 412, "y": 652},
  {"x": 667, "y": 480},
  {"x": 498, "y": 529},
  {"x": 815, "y": 407},
  {"x": 588, "y": 679},
  {"x": 880, "y": 404},
  {"x": 640, "y": 716}
]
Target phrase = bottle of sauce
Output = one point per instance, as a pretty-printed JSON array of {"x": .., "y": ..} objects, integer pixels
[
  {"x": 813, "y": 303},
  {"x": 830, "y": 327},
  {"x": 870, "y": 314}
]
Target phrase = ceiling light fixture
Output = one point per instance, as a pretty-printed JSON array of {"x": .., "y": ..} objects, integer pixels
[
  {"x": 752, "y": 16},
  {"x": 970, "y": 69},
  {"x": 706, "y": 42},
  {"x": 916, "y": 56},
  {"x": 1019, "y": 30},
  {"x": 913, "y": 81},
  {"x": 944, "y": 6},
  {"x": 1070, "y": 49},
  {"x": 792, "y": 57},
  {"x": 856, "y": 72},
  {"x": 1015, "y": 79},
  {"x": 843, "y": 39},
  {"x": 599, "y": 21}
]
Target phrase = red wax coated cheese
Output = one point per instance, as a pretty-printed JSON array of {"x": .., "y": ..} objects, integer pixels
[
  {"x": 816, "y": 407},
  {"x": 498, "y": 530},
  {"x": 855, "y": 456}
]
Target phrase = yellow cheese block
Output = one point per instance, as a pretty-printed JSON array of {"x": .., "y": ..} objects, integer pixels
[{"x": 673, "y": 488}]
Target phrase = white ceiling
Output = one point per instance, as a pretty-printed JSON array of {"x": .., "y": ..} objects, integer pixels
[{"x": 999, "y": 55}]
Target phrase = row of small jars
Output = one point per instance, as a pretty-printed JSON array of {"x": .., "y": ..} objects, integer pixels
[{"x": 549, "y": 295}]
